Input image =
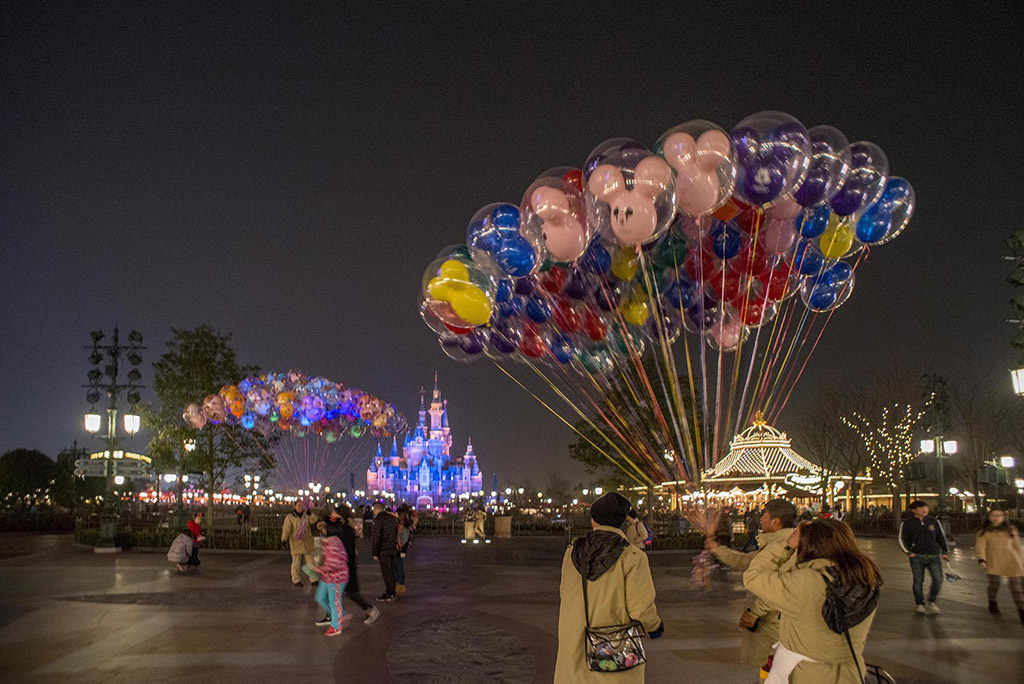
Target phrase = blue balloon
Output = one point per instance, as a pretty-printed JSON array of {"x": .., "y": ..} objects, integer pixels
[
  {"x": 606, "y": 298},
  {"x": 248, "y": 421},
  {"x": 472, "y": 342},
  {"x": 524, "y": 286},
  {"x": 806, "y": 259},
  {"x": 823, "y": 298},
  {"x": 896, "y": 189},
  {"x": 538, "y": 309},
  {"x": 681, "y": 293},
  {"x": 813, "y": 222},
  {"x": 838, "y": 274},
  {"x": 597, "y": 259},
  {"x": 505, "y": 218},
  {"x": 578, "y": 286},
  {"x": 511, "y": 308},
  {"x": 562, "y": 348},
  {"x": 516, "y": 256},
  {"x": 505, "y": 289},
  {"x": 703, "y": 314},
  {"x": 727, "y": 240},
  {"x": 874, "y": 224}
]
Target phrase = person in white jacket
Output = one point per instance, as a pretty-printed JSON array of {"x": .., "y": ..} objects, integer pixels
[{"x": 181, "y": 550}]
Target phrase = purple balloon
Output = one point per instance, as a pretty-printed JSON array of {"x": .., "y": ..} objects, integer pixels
[{"x": 524, "y": 286}]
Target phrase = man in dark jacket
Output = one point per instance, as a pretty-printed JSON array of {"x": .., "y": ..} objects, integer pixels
[
  {"x": 384, "y": 545},
  {"x": 338, "y": 524},
  {"x": 922, "y": 539}
]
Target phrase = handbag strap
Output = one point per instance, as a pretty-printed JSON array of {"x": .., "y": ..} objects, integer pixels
[
  {"x": 586, "y": 604},
  {"x": 856, "y": 662}
]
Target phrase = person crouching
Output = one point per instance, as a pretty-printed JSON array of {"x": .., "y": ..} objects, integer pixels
[
  {"x": 333, "y": 571},
  {"x": 180, "y": 552}
]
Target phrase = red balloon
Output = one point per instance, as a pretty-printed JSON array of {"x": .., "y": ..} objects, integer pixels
[
  {"x": 752, "y": 313},
  {"x": 567, "y": 318},
  {"x": 553, "y": 281},
  {"x": 594, "y": 326},
  {"x": 533, "y": 344},
  {"x": 457, "y": 331},
  {"x": 751, "y": 262},
  {"x": 729, "y": 287},
  {"x": 776, "y": 282},
  {"x": 698, "y": 269},
  {"x": 573, "y": 181}
]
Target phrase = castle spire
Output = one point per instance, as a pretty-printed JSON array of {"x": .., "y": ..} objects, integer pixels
[
  {"x": 423, "y": 403},
  {"x": 394, "y": 447},
  {"x": 444, "y": 416},
  {"x": 437, "y": 391}
]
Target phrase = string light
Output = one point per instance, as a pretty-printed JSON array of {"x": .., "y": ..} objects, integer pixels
[{"x": 890, "y": 443}]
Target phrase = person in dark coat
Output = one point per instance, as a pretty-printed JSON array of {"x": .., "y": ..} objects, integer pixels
[
  {"x": 922, "y": 539},
  {"x": 384, "y": 546},
  {"x": 339, "y": 524}
]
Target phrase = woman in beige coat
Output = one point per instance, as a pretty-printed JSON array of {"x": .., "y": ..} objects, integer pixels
[
  {"x": 999, "y": 552},
  {"x": 809, "y": 652},
  {"x": 619, "y": 588}
]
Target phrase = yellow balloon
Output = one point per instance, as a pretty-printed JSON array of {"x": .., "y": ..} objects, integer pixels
[
  {"x": 441, "y": 288},
  {"x": 454, "y": 270},
  {"x": 472, "y": 305},
  {"x": 625, "y": 263},
  {"x": 837, "y": 238},
  {"x": 635, "y": 310}
]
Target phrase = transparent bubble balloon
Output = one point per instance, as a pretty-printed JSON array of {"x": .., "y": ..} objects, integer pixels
[
  {"x": 824, "y": 293},
  {"x": 704, "y": 160},
  {"x": 464, "y": 348},
  {"x": 501, "y": 245},
  {"x": 865, "y": 182},
  {"x": 553, "y": 208},
  {"x": 727, "y": 332},
  {"x": 888, "y": 216},
  {"x": 829, "y": 166},
  {"x": 629, "y": 191},
  {"x": 457, "y": 291},
  {"x": 773, "y": 151}
]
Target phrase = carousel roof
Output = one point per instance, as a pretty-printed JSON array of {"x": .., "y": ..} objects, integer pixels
[{"x": 760, "y": 451}]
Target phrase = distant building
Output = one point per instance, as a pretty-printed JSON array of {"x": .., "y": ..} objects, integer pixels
[{"x": 425, "y": 474}]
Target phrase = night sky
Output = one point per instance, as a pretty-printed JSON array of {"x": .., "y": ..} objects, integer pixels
[{"x": 285, "y": 172}]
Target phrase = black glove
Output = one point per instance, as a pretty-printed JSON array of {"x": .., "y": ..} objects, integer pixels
[{"x": 657, "y": 633}]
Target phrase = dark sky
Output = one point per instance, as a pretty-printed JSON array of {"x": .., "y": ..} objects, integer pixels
[{"x": 285, "y": 172}]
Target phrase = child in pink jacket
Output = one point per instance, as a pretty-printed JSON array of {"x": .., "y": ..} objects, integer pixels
[{"x": 333, "y": 571}]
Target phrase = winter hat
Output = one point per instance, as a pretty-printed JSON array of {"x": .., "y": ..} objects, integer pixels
[{"x": 610, "y": 510}]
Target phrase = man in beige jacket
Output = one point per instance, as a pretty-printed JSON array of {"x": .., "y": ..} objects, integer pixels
[
  {"x": 759, "y": 620},
  {"x": 619, "y": 588}
]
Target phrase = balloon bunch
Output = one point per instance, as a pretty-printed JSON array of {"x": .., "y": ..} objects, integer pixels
[
  {"x": 297, "y": 403},
  {"x": 725, "y": 253}
]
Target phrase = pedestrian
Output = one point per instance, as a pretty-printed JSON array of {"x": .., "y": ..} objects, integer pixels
[
  {"x": 333, "y": 572},
  {"x": 753, "y": 525},
  {"x": 238, "y": 514},
  {"x": 181, "y": 551},
  {"x": 922, "y": 539},
  {"x": 999, "y": 552},
  {"x": 760, "y": 620},
  {"x": 196, "y": 531},
  {"x": 605, "y": 581},
  {"x": 636, "y": 530},
  {"x": 384, "y": 546},
  {"x": 297, "y": 533},
  {"x": 478, "y": 517},
  {"x": 827, "y": 600},
  {"x": 339, "y": 523},
  {"x": 724, "y": 533},
  {"x": 406, "y": 523}
]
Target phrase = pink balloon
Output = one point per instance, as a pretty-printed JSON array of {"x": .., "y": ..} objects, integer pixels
[
  {"x": 565, "y": 239},
  {"x": 693, "y": 230},
  {"x": 634, "y": 218},
  {"x": 785, "y": 209},
  {"x": 606, "y": 182},
  {"x": 778, "y": 236},
  {"x": 696, "y": 190},
  {"x": 651, "y": 177},
  {"x": 678, "y": 149},
  {"x": 712, "y": 147},
  {"x": 548, "y": 202},
  {"x": 728, "y": 333}
]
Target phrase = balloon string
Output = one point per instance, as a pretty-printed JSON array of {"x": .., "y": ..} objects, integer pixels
[
  {"x": 642, "y": 480},
  {"x": 785, "y": 317}
]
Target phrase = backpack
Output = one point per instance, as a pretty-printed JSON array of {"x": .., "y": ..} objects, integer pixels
[
  {"x": 836, "y": 616},
  {"x": 650, "y": 535}
]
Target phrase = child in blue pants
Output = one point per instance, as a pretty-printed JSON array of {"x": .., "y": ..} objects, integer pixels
[{"x": 333, "y": 572}]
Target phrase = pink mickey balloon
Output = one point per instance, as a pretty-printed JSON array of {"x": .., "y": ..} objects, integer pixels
[
  {"x": 785, "y": 209},
  {"x": 702, "y": 156},
  {"x": 728, "y": 333},
  {"x": 777, "y": 236},
  {"x": 563, "y": 234}
]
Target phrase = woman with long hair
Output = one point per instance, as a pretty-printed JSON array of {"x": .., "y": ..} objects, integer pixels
[
  {"x": 831, "y": 577},
  {"x": 999, "y": 552}
]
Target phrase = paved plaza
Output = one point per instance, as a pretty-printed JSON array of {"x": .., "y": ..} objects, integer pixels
[{"x": 485, "y": 613}]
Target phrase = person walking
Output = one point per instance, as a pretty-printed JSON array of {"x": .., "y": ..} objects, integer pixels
[
  {"x": 922, "y": 539},
  {"x": 339, "y": 524},
  {"x": 605, "y": 581},
  {"x": 384, "y": 546},
  {"x": 997, "y": 546},
  {"x": 406, "y": 524},
  {"x": 831, "y": 577},
  {"x": 759, "y": 619},
  {"x": 297, "y": 533},
  {"x": 637, "y": 533},
  {"x": 333, "y": 571}
]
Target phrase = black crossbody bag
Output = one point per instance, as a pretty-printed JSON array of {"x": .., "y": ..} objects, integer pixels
[{"x": 615, "y": 648}]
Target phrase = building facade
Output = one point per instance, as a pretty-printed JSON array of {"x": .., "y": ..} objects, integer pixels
[{"x": 424, "y": 473}]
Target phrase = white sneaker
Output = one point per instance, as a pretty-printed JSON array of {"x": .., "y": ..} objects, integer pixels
[
  {"x": 920, "y": 609},
  {"x": 371, "y": 615},
  {"x": 934, "y": 609}
]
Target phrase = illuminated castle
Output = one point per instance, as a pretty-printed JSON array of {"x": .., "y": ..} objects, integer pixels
[{"x": 425, "y": 474}]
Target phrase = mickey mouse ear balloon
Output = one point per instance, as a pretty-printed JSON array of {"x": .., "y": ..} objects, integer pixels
[
  {"x": 703, "y": 158},
  {"x": 630, "y": 192},
  {"x": 457, "y": 292},
  {"x": 891, "y": 212},
  {"x": 829, "y": 166},
  {"x": 772, "y": 153},
  {"x": 499, "y": 245},
  {"x": 866, "y": 180},
  {"x": 553, "y": 206}
]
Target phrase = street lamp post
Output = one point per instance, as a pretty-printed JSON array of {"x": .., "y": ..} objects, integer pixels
[
  {"x": 941, "y": 448},
  {"x": 108, "y": 380}
]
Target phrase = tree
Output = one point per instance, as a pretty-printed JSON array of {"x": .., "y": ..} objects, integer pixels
[
  {"x": 829, "y": 442},
  {"x": 68, "y": 489},
  {"x": 26, "y": 475},
  {"x": 820, "y": 440},
  {"x": 888, "y": 437},
  {"x": 983, "y": 423},
  {"x": 198, "y": 363}
]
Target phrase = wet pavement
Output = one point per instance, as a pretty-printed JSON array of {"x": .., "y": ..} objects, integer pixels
[{"x": 483, "y": 613}]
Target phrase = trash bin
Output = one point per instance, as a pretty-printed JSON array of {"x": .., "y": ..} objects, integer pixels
[{"x": 503, "y": 526}]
